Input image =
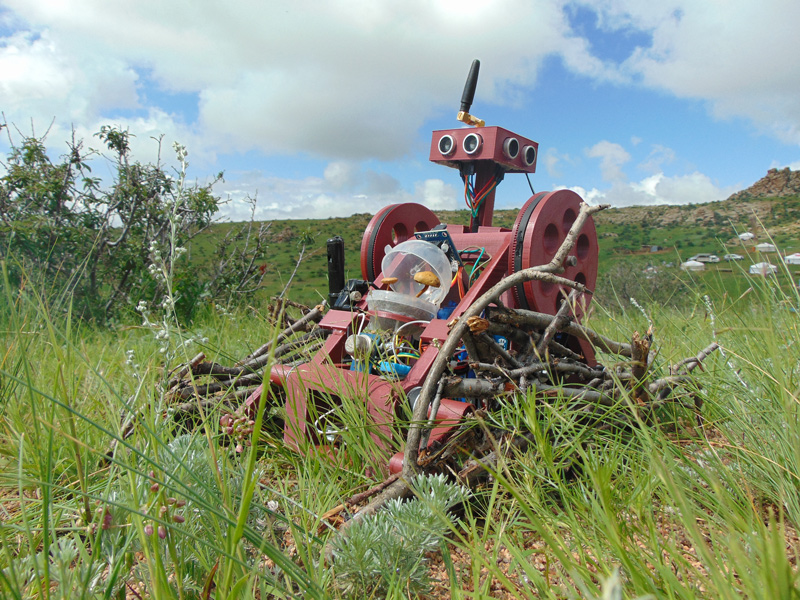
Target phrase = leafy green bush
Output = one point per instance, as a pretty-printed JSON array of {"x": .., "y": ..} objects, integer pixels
[{"x": 96, "y": 247}]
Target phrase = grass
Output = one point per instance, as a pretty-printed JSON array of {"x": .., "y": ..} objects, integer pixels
[
  {"x": 682, "y": 231},
  {"x": 92, "y": 508}
]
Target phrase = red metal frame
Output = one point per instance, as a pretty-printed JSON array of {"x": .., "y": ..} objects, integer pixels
[{"x": 538, "y": 231}]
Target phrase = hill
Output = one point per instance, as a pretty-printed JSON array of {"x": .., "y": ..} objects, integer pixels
[{"x": 770, "y": 208}]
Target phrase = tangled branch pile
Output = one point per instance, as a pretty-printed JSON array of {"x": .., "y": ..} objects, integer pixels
[{"x": 541, "y": 363}]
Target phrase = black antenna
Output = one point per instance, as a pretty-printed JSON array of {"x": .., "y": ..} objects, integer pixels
[{"x": 469, "y": 87}]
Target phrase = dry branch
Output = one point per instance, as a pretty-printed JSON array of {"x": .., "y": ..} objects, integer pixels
[{"x": 543, "y": 273}]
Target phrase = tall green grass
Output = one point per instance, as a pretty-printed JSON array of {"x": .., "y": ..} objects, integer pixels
[
  {"x": 102, "y": 492},
  {"x": 101, "y": 483}
]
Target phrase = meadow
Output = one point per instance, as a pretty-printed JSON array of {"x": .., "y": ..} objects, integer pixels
[
  {"x": 625, "y": 236},
  {"x": 105, "y": 494}
]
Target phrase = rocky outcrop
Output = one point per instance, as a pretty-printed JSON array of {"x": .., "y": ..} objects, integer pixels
[{"x": 777, "y": 183}]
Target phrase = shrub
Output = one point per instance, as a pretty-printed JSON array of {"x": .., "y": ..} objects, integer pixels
[
  {"x": 389, "y": 547},
  {"x": 93, "y": 244}
]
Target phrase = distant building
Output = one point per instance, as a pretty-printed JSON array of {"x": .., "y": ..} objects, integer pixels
[
  {"x": 765, "y": 247},
  {"x": 792, "y": 259},
  {"x": 693, "y": 265},
  {"x": 746, "y": 236},
  {"x": 763, "y": 269}
]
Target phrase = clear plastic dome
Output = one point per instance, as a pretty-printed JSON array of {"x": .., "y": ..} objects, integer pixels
[{"x": 415, "y": 264}]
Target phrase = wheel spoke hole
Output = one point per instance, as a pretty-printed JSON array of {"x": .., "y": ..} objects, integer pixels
[{"x": 552, "y": 239}]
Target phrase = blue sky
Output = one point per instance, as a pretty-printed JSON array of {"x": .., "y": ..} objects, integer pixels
[{"x": 325, "y": 108}]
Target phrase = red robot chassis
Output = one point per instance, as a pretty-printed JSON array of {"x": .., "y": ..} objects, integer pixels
[{"x": 385, "y": 331}]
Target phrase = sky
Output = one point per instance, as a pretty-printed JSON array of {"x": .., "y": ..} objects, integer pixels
[{"x": 325, "y": 108}]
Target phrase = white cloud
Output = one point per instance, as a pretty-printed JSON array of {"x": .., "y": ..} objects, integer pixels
[
  {"x": 437, "y": 195},
  {"x": 39, "y": 79},
  {"x": 695, "y": 188},
  {"x": 612, "y": 157},
  {"x": 658, "y": 157},
  {"x": 553, "y": 159},
  {"x": 736, "y": 55},
  {"x": 349, "y": 80},
  {"x": 341, "y": 174},
  {"x": 339, "y": 80},
  {"x": 361, "y": 190}
]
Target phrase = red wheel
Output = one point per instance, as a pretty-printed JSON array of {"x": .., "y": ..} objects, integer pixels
[
  {"x": 538, "y": 232},
  {"x": 390, "y": 226}
]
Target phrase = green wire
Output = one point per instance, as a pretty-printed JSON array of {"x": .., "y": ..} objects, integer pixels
[{"x": 475, "y": 264}]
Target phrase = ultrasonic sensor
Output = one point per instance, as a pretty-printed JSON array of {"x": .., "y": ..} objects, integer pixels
[
  {"x": 472, "y": 143},
  {"x": 446, "y": 145},
  {"x": 511, "y": 147},
  {"x": 529, "y": 155}
]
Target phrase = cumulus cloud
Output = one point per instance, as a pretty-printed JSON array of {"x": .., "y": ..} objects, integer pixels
[
  {"x": 612, "y": 157},
  {"x": 658, "y": 157},
  {"x": 437, "y": 195},
  {"x": 695, "y": 188},
  {"x": 732, "y": 55},
  {"x": 343, "y": 190},
  {"x": 343, "y": 82},
  {"x": 338, "y": 80},
  {"x": 553, "y": 159},
  {"x": 40, "y": 79}
]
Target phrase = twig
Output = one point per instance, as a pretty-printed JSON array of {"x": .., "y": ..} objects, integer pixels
[
  {"x": 314, "y": 315},
  {"x": 434, "y": 410},
  {"x": 541, "y": 273},
  {"x": 210, "y": 388},
  {"x": 500, "y": 350},
  {"x": 640, "y": 347},
  {"x": 693, "y": 361},
  {"x": 361, "y": 496},
  {"x": 184, "y": 370},
  {"x": 291, "y": 277},
  {"x": 560, "y": 321},
  {"x": 520, "y": 318}
]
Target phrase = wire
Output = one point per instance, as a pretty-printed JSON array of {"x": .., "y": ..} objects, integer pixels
[
  {"x": 474, "y": 200},
  {"x": 481, "y": 196},
  {"x": 475, "y": 264},
  {"x": 480, "y": 267},
  {"x": 397, "y": 336},
  {"x": 468, "y": 191},
  {"x": 530, "y": 185}
]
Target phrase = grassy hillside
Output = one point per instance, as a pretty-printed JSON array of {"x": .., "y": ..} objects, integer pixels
[
  {"x": 625, "y": 236},
  {"x": 111, "y": 489}
]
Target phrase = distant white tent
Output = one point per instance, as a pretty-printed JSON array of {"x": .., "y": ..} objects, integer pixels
[
  {"x": 693, "y": 265},
  {"x": 763, "y": 268},
  {"x": 765, "y": 247},
  {"x": 746, "y": 236},
  {"x": 792, "y": 259}
]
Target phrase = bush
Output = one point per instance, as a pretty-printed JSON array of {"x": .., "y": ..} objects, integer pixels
[
  {"x": 93, "y": 245},
  {"x": 388, "y": 548}
]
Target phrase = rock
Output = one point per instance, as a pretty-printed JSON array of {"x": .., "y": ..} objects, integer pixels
[{"x": 777, "y": 183}]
